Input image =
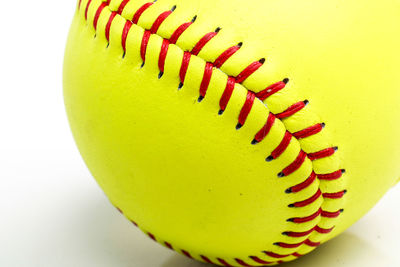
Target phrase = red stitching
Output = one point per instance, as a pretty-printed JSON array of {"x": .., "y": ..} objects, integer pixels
[
  {"x": 292, "y": 110},
  {"x": 168, "y": 245},
  {"x": 184, "y": 66},
  {"x": 87, "y": 9},
  {"x": 241, "y": 262},
  {"x": 303, "y": 185},
  {"x": 335, "y": 195},
  {"x": 331, "y": 176},
  {"x": 249, "y": 70},
  {"x": 178, "y": 32},
  {"x": 298, "y": 255},
  {"x": 140, "y": 11},
  {"x": 143, "y": 46},
  {"x": 307, "y": 218},
  {"x": 127, "y": 27},
  {"x": 248, "y": 104},
  {"x": 258, "y": 260},
  {"x": 270, "y": 90},
  {"x": 309, "y": 131},
  {"x": 295, "y": 165},
  {"x": 265, "y": 129},
  {"x": 308, "y": 201},
  {"x": 160, "y": 19},
  {"x": 310, "y": 243},
  {"x": 206, "y": 79},
  {"x": 152, "y": 236},
  {"x": 305, "y": 233},
  {"x": 203, "y": 41},
  {"x": 226, "y": 55},
  {"x": 163, "y": 55},
  {"x": 282, "y": 145},
  {"x": 223, "y": 262},
  {"x": 223, "y": 102},
  {"x": 275, "y": 255},
  {"x": 322, "y": 154},
  {"x": 122, "y": 6},
  {"x": 322, "y": 230},
  {"x": 187, "y": 254},
  {"x": 108, "y": 26},
  {"x": 206, "y": 259},
  {"x": 98, "y": 13},
  {"x": 330, "y": 214},
  {"x": 299, "y": 234}
]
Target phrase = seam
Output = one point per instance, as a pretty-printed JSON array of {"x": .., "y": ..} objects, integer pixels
[{"x": 246, "y": 108}]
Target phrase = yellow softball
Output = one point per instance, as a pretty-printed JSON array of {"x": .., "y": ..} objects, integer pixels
[{"x": 239, "y": 133}]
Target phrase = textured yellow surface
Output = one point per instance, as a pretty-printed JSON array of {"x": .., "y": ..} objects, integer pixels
[{"x": 183, "y": 172}]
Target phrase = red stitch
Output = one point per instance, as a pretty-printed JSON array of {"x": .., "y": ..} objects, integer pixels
[
  {"x": 134, "y": 223},
  {"x": 303, "y": 185},
  {"x": 87, "y": 9},
  {"x": 331, "y": 176},
  {"x": 258, "y": 260},
  {"x": 223, "y": 262},
  {"x": 168, "y": 245},
  {"x": 249, "y": 70},
  {"x": 226, "y": 55},
  {"x": 152, "y": 236},
  {"x": 178, "y": 32},
  {"x": 143, "y": 46},
  {"x": 140, "y": 11},
  {"x": 335, "y": 195},
  {"x": 160, "y": 19},
  {"x": 310, "y": 243},
  {"x": 308, "y": 201},
  {"x": 275, "y": 255},
  {"x": 108, "y": 26},
  {"x": 79, "y": 4},
  {"x": 266, "y": 128},
  {"x": 299, "y": 234},
  {"x": 322, "y": 154},
  {"x": 230, "y": 85},
  {"x": 296, "y": 164},
  {"x": 248, "y": 104},
  {"x": 241, "y": 262},
  {"x": 125, "y": 32},
  {"x": 322, "y": 230},
  {"x": 286, "y": 245},
  {"x": 203, "y": 41},
  {"x": 187, "y": 254},
  {"x": 291, "y": 110},
  {"x": 163, "y": 55},
  {"x": 298, "y": 255},
  {"x": 270, "y": 90},
  {"x": 282, "y": 145},
  {"x": 98, "y": 13},
  {"x": 122, "y": 6},
  {"x": 306, "y": 219},
  {"x": 309, "y": 131},
  {"x": 206, "y": 259},
  {"x": 206, "y": 79},
  {"x": 184, "y": 66},
  {"x": 329, "y": 214}
]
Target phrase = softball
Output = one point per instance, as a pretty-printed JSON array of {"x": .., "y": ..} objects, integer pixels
[{"x": 238, "y": 133}]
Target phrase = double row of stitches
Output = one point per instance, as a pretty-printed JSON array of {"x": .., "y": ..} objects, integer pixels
[{"x": 246, "y": 108}]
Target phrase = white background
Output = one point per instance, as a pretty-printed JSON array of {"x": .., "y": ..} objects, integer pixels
[{"x": 52, "y": 211}]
